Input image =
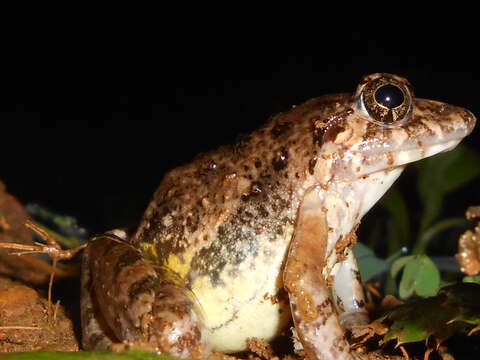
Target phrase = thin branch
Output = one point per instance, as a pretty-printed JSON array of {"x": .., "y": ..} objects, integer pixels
[
  {"x": 434, "y": 230},
  {"x": 20, "y": 328}
]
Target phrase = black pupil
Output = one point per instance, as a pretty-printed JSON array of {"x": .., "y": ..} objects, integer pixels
[{"x": 389, "y": 96}]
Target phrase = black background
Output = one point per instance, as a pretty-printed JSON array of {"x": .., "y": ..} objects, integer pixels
[{"x": 91, "y": 122}]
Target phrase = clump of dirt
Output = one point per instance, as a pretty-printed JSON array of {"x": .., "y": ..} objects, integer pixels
[{"x": 24, "y": 322}]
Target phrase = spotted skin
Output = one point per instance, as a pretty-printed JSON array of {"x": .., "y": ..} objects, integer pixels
[{"x": 228, "y": 232}]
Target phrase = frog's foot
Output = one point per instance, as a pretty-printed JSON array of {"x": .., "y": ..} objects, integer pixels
[{"x": 124, "y": 300}]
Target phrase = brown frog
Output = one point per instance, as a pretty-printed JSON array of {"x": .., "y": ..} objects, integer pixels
[{"x": 242, "y": 239}]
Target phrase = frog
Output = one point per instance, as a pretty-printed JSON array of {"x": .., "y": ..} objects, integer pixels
[{"x": 251, "y": 237}]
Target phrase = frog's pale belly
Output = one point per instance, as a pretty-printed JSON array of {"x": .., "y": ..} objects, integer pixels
[
  {"x": 248, "y": 300},
  {"x": 232, "y": 306}
]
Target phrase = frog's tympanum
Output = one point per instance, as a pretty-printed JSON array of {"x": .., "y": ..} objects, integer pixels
[{"x": 245, "y": 238}]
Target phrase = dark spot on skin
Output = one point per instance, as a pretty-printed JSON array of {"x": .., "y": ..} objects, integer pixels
[
  {"x": 332, "y": 132},
  {"x": 357, "y": 276},
  {"x": 335, "y": 126},
  {"x": 311, "y": 165},
  {"x": 192, "y": 223},
  {"x": 262, "y": 211},
  {"x": 256, "y": 187},
  {"x": 280, "y": 160},
  {"x": 279, "y": 230},
  {"x": 126, "y": 258},
  {"x": 390, "y": 159},
  {"x": 212, "y": 165},
  {"x": 255, "y": 190},
  {"x": 359, "y": 304},
  {"x": 339, "y": 304},
  {"x": 258, "y": 164},
  {"x": 318, "y": 127},
  {"x": 279, "y": 129},
  {"x": 144, "y": 285},
  {"x": 241, "y": 143},
  {"x": 233, "y": 273}
]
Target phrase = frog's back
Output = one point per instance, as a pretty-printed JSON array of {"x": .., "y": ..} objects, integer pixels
[{"x": 212, "y": 210}]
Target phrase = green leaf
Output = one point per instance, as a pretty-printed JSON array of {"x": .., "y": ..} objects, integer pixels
[
  {"x": 65, "y": 229},
  {"x": 453, "y": 310},
  {"x": 465, "y": 168},
  {"x": 419, "y": 319},
  {"x": 420, "y": 277},
  {"x": 370, "y": 265},
  {"x": 442, "y": 174},
  {"x": 399, "y": 264},
  {"x": 472, "y": 279}
]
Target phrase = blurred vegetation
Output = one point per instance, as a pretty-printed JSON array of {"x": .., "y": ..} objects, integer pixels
[
  {"x": 440, "y": 300},
  {"x": 408, "y": 270}
]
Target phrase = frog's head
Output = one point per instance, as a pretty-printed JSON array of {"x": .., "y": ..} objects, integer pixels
[{"x": 385, "y": 127}]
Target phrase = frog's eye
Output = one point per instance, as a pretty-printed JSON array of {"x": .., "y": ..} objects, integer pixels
[{"x": 387, "y": 101}]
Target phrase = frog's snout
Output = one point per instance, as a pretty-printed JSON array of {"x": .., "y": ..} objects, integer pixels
[{"x": 469, "y": 119}]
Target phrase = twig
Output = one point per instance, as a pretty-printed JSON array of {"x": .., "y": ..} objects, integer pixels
[
  {"x": 52, "y": 249},
  {"x": 49, "y": 296},
  {"x": 20, "y": 328},
  {"x": 55, "y": 311}
]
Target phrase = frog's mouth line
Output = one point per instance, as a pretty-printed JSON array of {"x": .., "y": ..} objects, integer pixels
[
  {"x": 380, "y": 161},
  {"x": 405, "y": 155}
]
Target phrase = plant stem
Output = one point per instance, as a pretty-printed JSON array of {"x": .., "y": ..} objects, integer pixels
[{"x": 426, "y": 236}]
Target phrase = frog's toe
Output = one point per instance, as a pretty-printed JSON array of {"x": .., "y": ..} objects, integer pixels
[{"x": 175, "y": 328}]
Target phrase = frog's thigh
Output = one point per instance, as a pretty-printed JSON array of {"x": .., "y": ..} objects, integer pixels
[
  {"x": 316, "y": 322},
  {"x": 124, "y": 300},
  {"x": 348, "y": 291}
]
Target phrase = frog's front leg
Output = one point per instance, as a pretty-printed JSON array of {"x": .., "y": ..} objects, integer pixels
[
  {"x": 306, "y": 278},
  {"x": 125, "y": 300}
]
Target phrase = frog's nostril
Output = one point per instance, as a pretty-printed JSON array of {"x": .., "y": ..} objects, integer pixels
[{"x": 469, "y": 118}]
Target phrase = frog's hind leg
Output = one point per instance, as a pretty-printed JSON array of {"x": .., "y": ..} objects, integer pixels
[
  {"x": 316, "y": 321},
  {"x": 126, "y": 301}
]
